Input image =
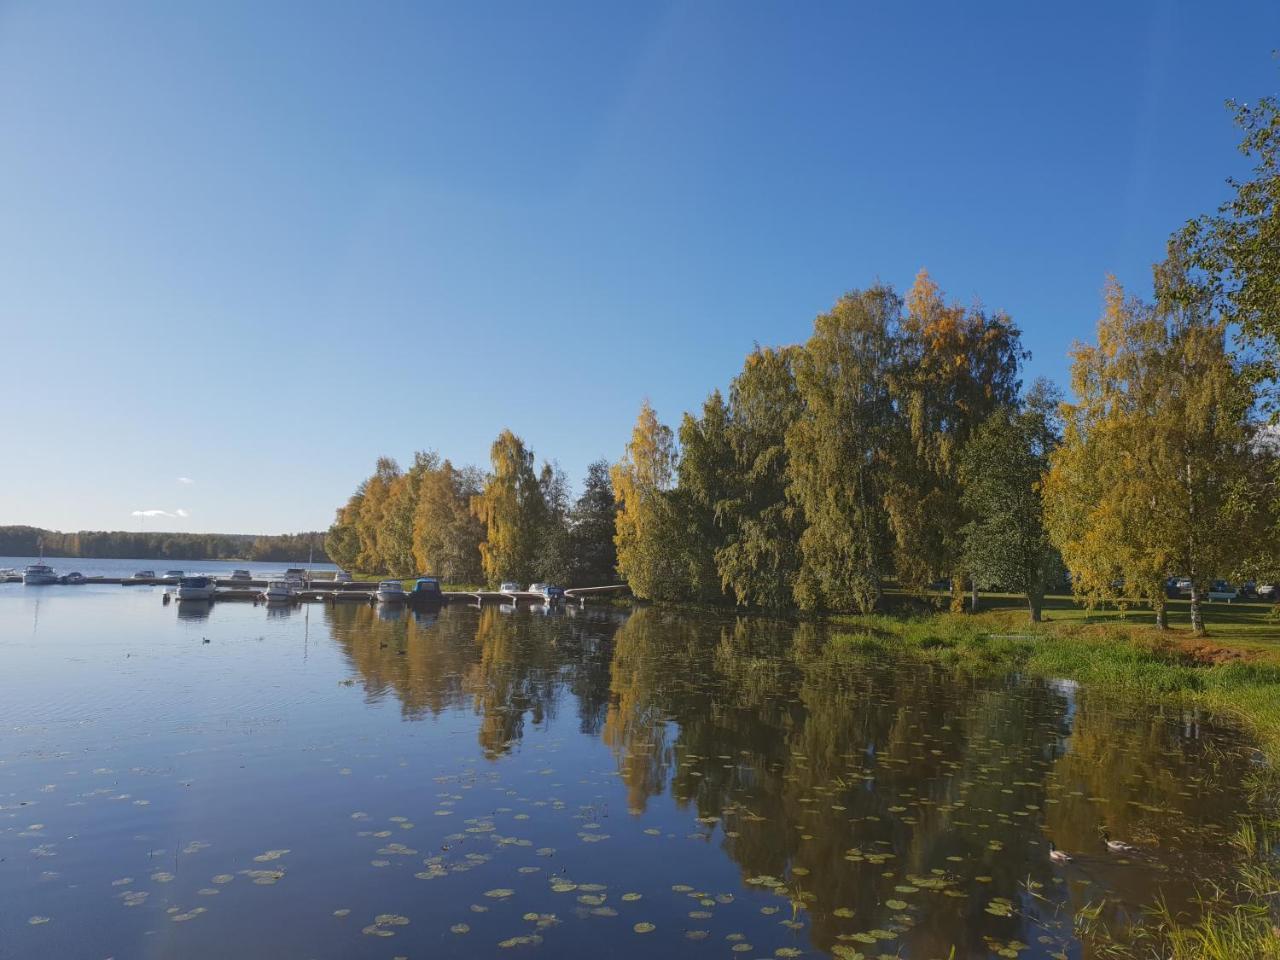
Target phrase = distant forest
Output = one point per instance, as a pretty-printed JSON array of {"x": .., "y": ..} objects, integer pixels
[{"x": 19, "y": 541}]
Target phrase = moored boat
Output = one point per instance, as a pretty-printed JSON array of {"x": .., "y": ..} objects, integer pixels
[
  {"x": 73, "y": 579},
  {"x": 196, "y": 588},
  {"x": 10, "y": 575},
  {"x": 280, "y": 591},
  {"x": 390, "y": 591},
  {"x": 426, "y": 592},
  {"x": 39, "y": 574}
]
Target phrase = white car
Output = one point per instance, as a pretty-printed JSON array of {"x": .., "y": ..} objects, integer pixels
[
  {"x": 1221, "y": 590},
  {"x": 1267, "y": 591}
]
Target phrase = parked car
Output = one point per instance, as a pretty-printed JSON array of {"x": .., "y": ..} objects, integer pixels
[
  {"x": 1267, "y": 591},
  {"x": 1221, "y": 590}
]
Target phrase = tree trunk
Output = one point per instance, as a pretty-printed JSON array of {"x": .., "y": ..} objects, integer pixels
[
  {"x": 1197, "y": 619},
  {"x": 957, "y": 592},
  {"x": 1036, "y": 604},
  {"x": 1162, "y": 621},
  {"x": 974, "y": 607}
]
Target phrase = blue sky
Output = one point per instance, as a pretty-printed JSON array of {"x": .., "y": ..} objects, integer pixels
[{"x": 257, "y": 245}]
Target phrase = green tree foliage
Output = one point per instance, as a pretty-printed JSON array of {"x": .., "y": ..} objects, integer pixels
[
  {"x": 649, "y": 531},
  {"x": 1238, "y": 249},
  {"x": 513, "y": 511},
  {"x": 554, "y": 552},
  {"x": 343, "y": 539},
  {"x": 593, "y": 556},
  {"x": 705, "y": 472},
  {"x": 838, "y": 471},
  {"x": 446, "y": 533},
  {"x": 1158, "y": 468},
  {"x": 759, "y": 558},
  {"x": 1002, "y": 471},
  {"x": 952, "y": 368}
]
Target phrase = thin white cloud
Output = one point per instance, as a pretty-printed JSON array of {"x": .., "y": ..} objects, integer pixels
[
  {"x": 182, "y": 513},
  {"x": 186, "y": 480},
  {"x": 153, "y": 513}
]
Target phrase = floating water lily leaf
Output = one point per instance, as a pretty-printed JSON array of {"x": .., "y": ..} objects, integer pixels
[{"x": 644, "y": 927}]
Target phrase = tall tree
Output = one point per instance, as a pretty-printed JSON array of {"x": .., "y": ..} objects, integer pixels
[
  {"x": 446, "y": 533},
  {"x": 647, "y": 536},
  {"x": 396, "y": 540},
  {"x": 836, "y": 449},
  {"x": 1154, "y": 474},
  {"x": 512, "y": 511},
  {"x": 592, "y": 526},
  {"x": 553, "y": 557},
  {"x": 370, "y": 524},
  {"x": 952, "y": 368},
  {"x": 705, "y": 475},
  {"x": 1002, "y": 470},
  {"x": 759, "y": 557},
  {"x": 342, "y": 543},
  {"x": 1238, "y": 248}
]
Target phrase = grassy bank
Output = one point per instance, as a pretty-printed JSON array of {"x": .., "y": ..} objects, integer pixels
[{"x": 1235, "y": 672}]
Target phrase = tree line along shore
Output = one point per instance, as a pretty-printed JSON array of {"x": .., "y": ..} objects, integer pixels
[
  {"x": 26, "y": 541},
  {"x": 900, "y": 444}
]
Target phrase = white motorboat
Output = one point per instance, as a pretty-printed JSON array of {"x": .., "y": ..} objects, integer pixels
[
  {"x": 280, "y": 591},
  {"x": 196, "y": 588},
  {"x": 240, "y": 576},
  {"x": 10, "y": 575},
  {"x": 144, "y": 575},
  {"x": 173, "y": 576},
  {"x": 38, "y": 574},
  {"x": 390, "y": 591}
]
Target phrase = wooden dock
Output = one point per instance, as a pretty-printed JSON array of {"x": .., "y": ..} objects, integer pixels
[{"x": 329, "y": 591}]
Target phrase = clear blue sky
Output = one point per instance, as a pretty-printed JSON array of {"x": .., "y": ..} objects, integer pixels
[{"x": 256, "y": 245}]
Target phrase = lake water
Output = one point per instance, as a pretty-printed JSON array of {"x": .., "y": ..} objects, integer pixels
[{"x": 358, "y": 782}]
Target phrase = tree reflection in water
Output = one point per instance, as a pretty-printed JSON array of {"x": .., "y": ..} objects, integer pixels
[{"x": 876, "y": 794}]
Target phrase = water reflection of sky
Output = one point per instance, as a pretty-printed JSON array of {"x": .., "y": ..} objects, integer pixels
[{"x": 517, "y": 774}]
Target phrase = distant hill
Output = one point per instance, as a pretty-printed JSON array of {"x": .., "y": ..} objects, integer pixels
[{"x": 21, "y": 541}]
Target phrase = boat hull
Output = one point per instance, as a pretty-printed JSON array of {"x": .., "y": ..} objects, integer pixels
[
  {"x": 391, "y": 596},
  {"x": 39, "y": 579},
  {"x": 195, "y": 593}
]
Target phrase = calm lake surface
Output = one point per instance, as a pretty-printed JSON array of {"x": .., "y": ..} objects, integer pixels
[{"x": 320, "y": 782}]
